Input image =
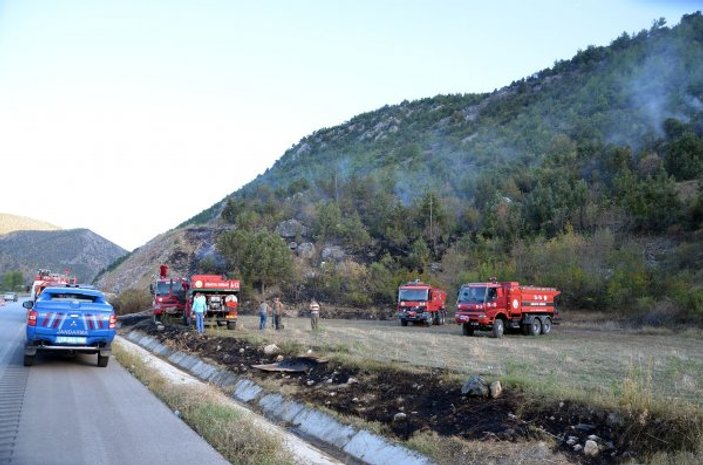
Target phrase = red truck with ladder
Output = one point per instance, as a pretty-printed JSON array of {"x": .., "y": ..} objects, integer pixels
[
  {"x": 421, "y": 303},
  {"x": 169, "y": 295},
  {"x": 221, "y": 297},
  {"x": 500, "y": 306}
]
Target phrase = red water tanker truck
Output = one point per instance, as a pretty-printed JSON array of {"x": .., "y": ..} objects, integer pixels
[
  {"x": 421, "y": 303},
  {"x": 169, "y": 295},
  {"x": 498, "y": 307},
  {"x": 221, "y": 297}
]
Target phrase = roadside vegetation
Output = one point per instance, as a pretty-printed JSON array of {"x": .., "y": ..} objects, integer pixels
[{"x": 206, "y": 410}]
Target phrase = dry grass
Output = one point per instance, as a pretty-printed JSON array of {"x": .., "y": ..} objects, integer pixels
[
  {"x": 653, "y": 377},
  {"x": 454, "y": 451},
  {"x": 208, "y": 412},
  {"x": 576, "y": 361}
]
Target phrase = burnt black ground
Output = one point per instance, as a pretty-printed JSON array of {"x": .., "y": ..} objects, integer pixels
[{"x": 428, "y": 400}]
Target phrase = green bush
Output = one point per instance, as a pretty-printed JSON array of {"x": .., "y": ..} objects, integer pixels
[{"x": 131, "y": 301}]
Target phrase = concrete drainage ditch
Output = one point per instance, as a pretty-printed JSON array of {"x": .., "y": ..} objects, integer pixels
[{"x": 359, "y": 444}]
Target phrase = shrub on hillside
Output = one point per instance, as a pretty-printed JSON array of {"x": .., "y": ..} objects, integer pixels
[{"x": 131, "y": 301}]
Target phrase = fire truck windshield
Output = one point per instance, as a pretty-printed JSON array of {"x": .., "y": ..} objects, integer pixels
[
  {"x": 163, "y": 288},
  {"x": 412, "y": 294},
  {"x": 468, "y": 295}
]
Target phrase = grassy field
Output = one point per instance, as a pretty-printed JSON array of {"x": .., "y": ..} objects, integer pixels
[{"x": 581, "y": 359}]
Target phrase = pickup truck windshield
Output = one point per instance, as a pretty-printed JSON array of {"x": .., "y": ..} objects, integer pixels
[
  {"x": 472, "y": 295},
  {"x": 412, "y": 294}
]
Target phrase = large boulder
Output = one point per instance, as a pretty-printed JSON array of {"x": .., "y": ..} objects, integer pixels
[
  {"x": 475, "y": 386},
  {"x": 291, "y": 229},
  {"x": 333, "y": 252},
  {"x": 305, "y": 250}
]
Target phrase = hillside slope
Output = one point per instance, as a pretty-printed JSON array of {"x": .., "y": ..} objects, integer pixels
[
  {"x": 584, "y": 176},
  {"x": 80, "y": 251}
]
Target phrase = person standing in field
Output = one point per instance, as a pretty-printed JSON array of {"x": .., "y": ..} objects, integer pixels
[
  {"x": 264, "y": 310},
  {"x": 314, "y": 314},
  {"x": 278, "y": 313},
  {"x": 199, "y": 308}
]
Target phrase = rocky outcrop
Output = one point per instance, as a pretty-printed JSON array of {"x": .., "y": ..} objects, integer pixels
[{"x": 291, "y": 229}]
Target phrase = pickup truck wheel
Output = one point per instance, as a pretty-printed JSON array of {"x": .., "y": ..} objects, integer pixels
[
  {"x": 403, "y": 322},
  {"x": 546, "y": 325},
  {"x": 28, "y": 360},
  {"x": 231, "y": 325},
  {"x": 102, "y": 360},
  {"x": 535, "y": 327},
  {"x": 498, "y": 328},
  {"x": 467, "y": 329}
]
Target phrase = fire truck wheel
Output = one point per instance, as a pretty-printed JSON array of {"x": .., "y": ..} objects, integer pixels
[
  {"x": 429, "y": 321},
  {"x": 444, "y": 317},
  {"x": 498, "y": 328},
  {"x": 403, "y": 322},
  {"x": 467, "y": 330},
  {"x": 546, "y": 325},
  {"x": 535, "y": 327},
  {"x": 231, "y": 325}
]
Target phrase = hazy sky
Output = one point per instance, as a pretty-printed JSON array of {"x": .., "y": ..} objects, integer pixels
[{"x": 130, "y": 116}]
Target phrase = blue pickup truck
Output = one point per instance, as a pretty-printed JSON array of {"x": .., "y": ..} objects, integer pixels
[{"x": 70, "y": 318}]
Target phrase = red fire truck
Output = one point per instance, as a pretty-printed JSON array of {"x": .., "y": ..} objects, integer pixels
[
  {"x": 498, "y": 307},
  {"x": 421, "y": 303},
  {"x": 45, "y": 278},
  {"x": 169, "y": 295},
  {"x": 221, "y": 296}
]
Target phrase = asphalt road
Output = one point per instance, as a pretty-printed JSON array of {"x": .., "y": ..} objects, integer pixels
[{"x": 66, "y": 410}]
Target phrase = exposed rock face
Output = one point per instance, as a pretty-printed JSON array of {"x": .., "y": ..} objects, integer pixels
[
  {"x": 291, "y": 229},
  {"x": 181, "y": 249}
]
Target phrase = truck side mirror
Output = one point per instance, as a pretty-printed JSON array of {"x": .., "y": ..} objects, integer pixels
[{"x": 28, "y": 304}]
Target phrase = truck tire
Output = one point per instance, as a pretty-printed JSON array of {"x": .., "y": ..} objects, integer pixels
[
  {"x": 498, "y": 328},
  {"x": 467, "y": 329},
  {"x": 102, "y": 360},
  {"x": 28, "y": 360},
  {"x": 231, "y": 325},
  {"x": 535, "y": 327},
  {"x": 430, "y": 320},
  {"x": 403, "y": 322},
  {"x": 546, "y": 325}
]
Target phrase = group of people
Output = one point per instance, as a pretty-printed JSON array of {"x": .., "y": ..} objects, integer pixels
[{"x": 277, "y": 311}]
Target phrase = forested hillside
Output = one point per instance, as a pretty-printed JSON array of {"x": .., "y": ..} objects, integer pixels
[{"x": 585, "y": 176}]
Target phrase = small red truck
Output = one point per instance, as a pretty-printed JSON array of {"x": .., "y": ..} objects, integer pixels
[
  {"x": 421, "y": 303},
  {"x": 498, "y": 306},
  {"x": 169, "y": 295},
  {"x": 221, "y": 296}
]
